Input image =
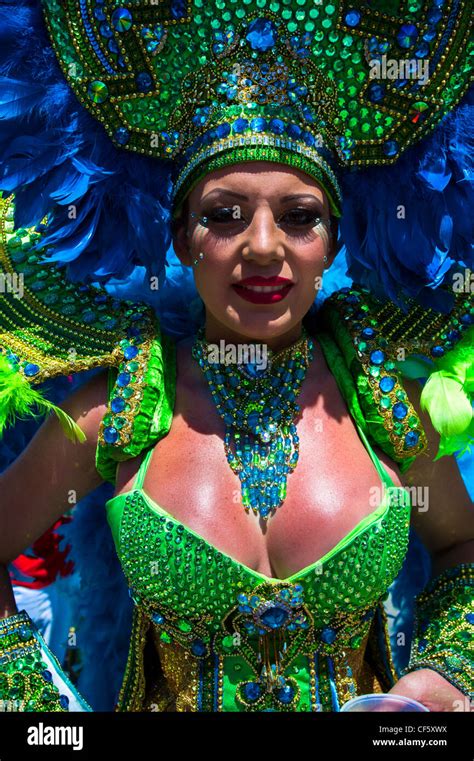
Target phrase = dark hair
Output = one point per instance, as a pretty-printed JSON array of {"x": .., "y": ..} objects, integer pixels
[{"x": 181, "y": 218}]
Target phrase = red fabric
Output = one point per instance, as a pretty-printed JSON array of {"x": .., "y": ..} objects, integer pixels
[{"x": 44, "y": 561}]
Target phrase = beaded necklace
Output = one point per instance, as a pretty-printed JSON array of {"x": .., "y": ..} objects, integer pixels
[{"x": 258, "y": 406}]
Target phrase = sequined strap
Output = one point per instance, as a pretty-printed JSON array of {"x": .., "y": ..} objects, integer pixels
[
  {"x": 381, "y": 343},
  {"x": 141, "y": 401},
  {"x": 390, "y": 420},
  {"x": 346, "y": 384}
]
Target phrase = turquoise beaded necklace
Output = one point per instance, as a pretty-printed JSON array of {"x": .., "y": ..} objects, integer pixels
[{"x": 258, "y": 406}]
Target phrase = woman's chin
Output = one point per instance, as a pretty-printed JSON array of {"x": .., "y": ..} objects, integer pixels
[{"x": 263, "y": 327}]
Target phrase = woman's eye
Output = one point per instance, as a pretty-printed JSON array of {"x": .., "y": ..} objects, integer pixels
[
  {"x": 224, "y": 214},
  {"x": 299, "y": 217}
]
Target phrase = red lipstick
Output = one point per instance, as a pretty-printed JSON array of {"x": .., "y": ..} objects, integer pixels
[{"x": 263, "y": 290}]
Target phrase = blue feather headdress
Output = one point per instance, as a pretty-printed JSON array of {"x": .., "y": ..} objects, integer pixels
[{"x": 107, "y": 210}]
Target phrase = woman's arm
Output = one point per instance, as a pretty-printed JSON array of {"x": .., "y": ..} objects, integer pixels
[
  {"x": 443, "y": 516},
  {"x": 444, "y": 519},
  {"x": 7, "y": 600},
  {"x": 52, "y": 473}
]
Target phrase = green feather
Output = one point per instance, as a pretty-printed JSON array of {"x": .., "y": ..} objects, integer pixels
[
  {"x": 17, "y": 397},
  {"x": 447, "y": 403}
]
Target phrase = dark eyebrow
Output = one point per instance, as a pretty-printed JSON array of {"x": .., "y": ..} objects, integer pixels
[{"x": 293, "y": 197}]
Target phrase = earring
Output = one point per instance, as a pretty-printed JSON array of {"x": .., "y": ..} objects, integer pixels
[
  {"x": 325, "y": 259},
  {"x": 201, "y": 256}
]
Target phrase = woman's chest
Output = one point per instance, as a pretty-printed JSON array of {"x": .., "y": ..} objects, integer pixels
[{"x": 334, "y": 486}]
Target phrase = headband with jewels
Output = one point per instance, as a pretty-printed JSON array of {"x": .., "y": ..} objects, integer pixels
[{"x": 318, "y": 86}]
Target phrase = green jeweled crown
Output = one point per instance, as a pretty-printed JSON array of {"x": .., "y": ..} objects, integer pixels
[{"x": 311, "y": 84}]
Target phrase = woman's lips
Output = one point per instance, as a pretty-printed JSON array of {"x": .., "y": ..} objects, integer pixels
[{"x": 262, "y": 294}]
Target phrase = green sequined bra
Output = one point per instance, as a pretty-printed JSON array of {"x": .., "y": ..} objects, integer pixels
[{"x": 197, "y": 642}]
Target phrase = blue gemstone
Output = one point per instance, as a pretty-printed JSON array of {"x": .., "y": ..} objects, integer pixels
[
  {"x": 399, "y": 410},
  {"x": 386, "y": 384},
  {"x": 352, "y": 18},
  {"x": 274, "y": 617},
  {"x": 390, "y": 148},
  {"x": 368, "y": 332},
  {"x": 105, "y": 30},
  {"x": 158, "y": 618},
  {"x": 376, "y": 92},
  {"x": 223, "y": 130},
  {"x": 117, "y": 404},
  {"x": 467, "y": 319},
  {"x": 252, "y": 691},
  {"x": 453, "y": 335},
  {"x": 179, "y": 9},
  {"x": 422, "y": 50},
  {"x": 422, "y": 644},
  {"x": 308, "y": 138},
  {"x": 144, "y": 81},
  {"x": 121, "y": 19},
  {"x": 261, "y": 34},
  {"x": 110, "y": 434},
  {"x": 63, "y": 701},
  {"x": 430, "y": 34},
  {"x": 46, "y": 674},
  {"x": 377, "y": 357},
  {"x": 469, "y": 618},
  {"x": 31, "y": 369},
  {"x": 434, "y": 16},
  {"x": 122, "y": 136},
  {"x": 294, "y": 131},
  {"x": 328, "y": 635},
  {"x": 411, "y": 439},
  {"x": 130, "y": 352},
  {"x": 258, "y": 124},
  {"x": 277, "y": 126},
  {"x": 407, "y": 35},
  {"x": 240, "y": 124},
  {"x": 24, "y": 633},
  {"x": 437, "y": 351},
  {"x": 123, "y": 379},
  {"x": 198, "y": 647},
  {"x": 285, "y": 694}
]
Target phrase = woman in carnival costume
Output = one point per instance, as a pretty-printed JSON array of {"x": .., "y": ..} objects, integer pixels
[{"x": 251, "y": 135}]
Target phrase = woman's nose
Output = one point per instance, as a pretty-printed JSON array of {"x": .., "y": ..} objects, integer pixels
[{"x": 263, "y": 237}]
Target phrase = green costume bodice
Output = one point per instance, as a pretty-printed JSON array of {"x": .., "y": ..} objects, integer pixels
[{"x": 188, "y": 593}]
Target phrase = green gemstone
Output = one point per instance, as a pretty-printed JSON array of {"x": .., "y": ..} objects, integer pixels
[
  {"x": 127, "y": 393},
  {"x": 389, "y": 365},
  {"x": 412, "y": 421},
  {"x": 165, "y": 637},
  {"x": 184, "y": 626},
  {"x": 133, "y": 366},
  {"x": 228, "y": 643},
  {"x": 119, "y": 422},
  {"x": 362, "y": 346},
  {"x": 385, "y": 402},
  {"x": 374, "y": 371},
  {"x": 400, "y": 394}
]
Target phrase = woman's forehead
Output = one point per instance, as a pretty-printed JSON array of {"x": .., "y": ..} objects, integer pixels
[{"x": 261, "y": 178}]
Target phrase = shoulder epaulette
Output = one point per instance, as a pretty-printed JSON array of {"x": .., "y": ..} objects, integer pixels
[{"x": 380, "y": 342}]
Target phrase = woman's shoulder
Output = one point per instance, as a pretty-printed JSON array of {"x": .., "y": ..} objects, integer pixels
[{"x": 373, "y": 347}]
